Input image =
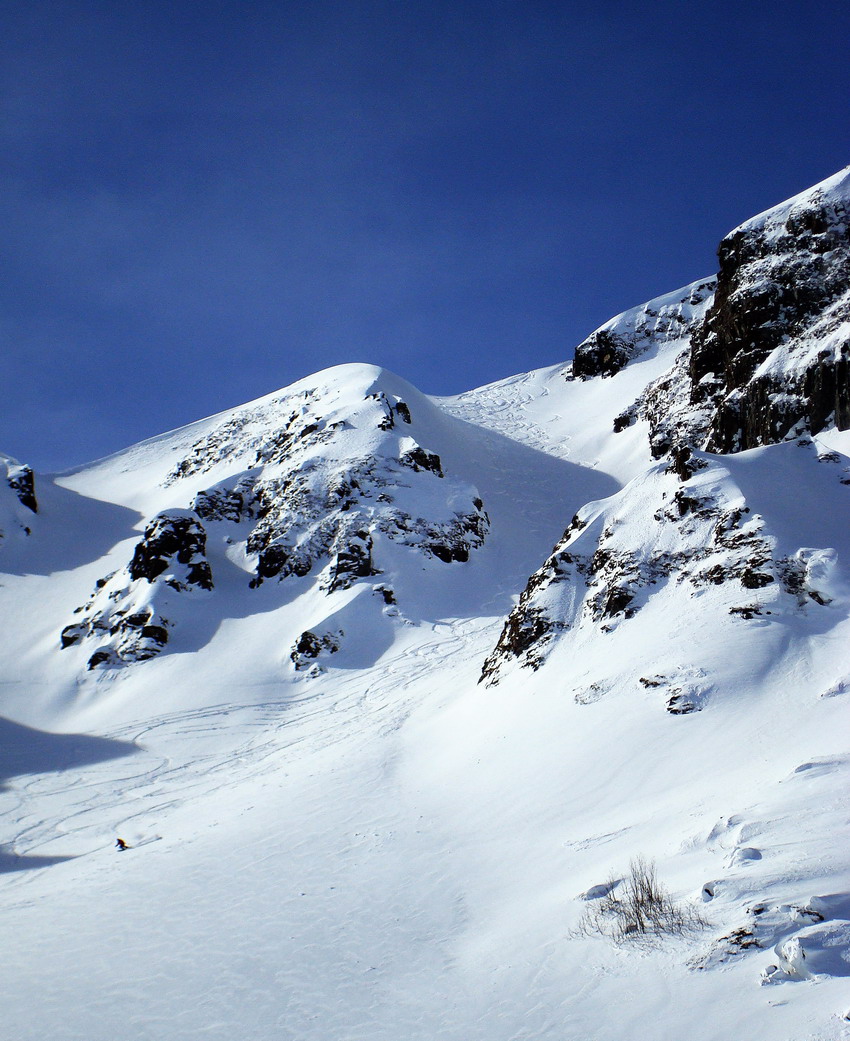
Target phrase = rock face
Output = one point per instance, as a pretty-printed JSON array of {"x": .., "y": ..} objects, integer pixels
[
  {"x": 310, "y": 647},
  {"x": 775, "y": 346},
  {"x": 173, "y": 538},
  {"x": 17, "y": 498},
  {"x": 21, "y": 480},
  {"x": 771, "y": 359}
]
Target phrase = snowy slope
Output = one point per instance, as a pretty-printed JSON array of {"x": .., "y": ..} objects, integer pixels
[{"x": 373, "y": 776}]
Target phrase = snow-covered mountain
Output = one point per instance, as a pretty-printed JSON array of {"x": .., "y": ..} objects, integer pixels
[{"x": 375, "y": 779}]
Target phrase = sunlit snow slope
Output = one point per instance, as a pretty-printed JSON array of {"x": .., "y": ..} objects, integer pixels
[{"x": 372, "y": 775}]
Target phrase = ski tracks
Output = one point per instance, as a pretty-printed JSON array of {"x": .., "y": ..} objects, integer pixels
[{"x": 193, "y": 755}]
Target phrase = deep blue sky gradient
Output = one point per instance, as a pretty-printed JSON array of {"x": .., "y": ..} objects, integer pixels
[{"x": 203, "y": 202}]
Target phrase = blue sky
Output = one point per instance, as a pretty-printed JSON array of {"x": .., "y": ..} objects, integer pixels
[{"x": 203, "y": 202}]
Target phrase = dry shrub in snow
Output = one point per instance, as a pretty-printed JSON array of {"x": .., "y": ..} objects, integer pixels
[{"x": 638, "y": 906}]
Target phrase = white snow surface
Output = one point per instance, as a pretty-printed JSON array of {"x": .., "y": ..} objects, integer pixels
[{"x": 387, "y": 849}]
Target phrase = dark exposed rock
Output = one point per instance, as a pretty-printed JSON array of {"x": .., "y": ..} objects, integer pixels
[
  {"x": 419, "y": 458},
  {"x": 100, "y": 658},
  {"x": 752, "y": 579},
  {"x": 386, "y": 422},
  {"x": 454, "y": 541},
  {"x": 172, "y": 535},
  {"x": 120, "y": 614},
  {"x": 782, "y": 289},
  {"x": 748, "y": 611},
  {"x": 770, "y": 357},
  {"x": 602, "y": 354},
  {"x": 403, "y": 411},
  {"x": 684, "y": 464},
  {"x": 72, "y": 634},
  {"x": 315, "y": 516},
  {"x": 158, "y": 634},
  {"x": 279, "y": 559},
  {"x": 679, "y": 704},
  {"x": 352, "y": 561},
  {"x": 624, "y": 420},
  {"x": 615, "y": 601},
  {"x": 225, "y": 504},
  {"x": 524, "y": 636},
  {"x": 309, "y": 646},
  {"x": 131, "y": 635},
  {"x": 676, "y": 418},
  {"x": 22, "y": 481},
  {"x": 387, "y": 593}
]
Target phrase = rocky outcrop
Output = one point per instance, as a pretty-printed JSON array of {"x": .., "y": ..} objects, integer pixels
[
  {"x": 684, "y": 523},
  {"x": 315, "y": 518},
  {"x": 122, "y": 635},
  {"x": 232, "y": 502},
  {"x": 127, "y": 617},
  {"x": 669, "y": 318},
  {"x": 21, "y": 480},
  {"x": 173, "y": 538},
  {"x": 316, "y": 502},
  {"x": 774, "y": 351},
  {"x": 770, "y": 358},
  {"x": 17, "y": 498},
  {"x": 310, "y": 647}
]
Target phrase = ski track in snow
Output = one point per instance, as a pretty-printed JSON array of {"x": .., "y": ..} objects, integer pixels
[{"x": 266, "y": 734}]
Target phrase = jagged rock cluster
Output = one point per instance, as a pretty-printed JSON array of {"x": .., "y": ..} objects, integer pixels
[
  {"x": 310, "y": 501},
  {"x": 172, "y": 538},
  {"x": 311, "y": 646},
  {"x": 125, "y": 615},
  {"x": 307, "y": 490}
]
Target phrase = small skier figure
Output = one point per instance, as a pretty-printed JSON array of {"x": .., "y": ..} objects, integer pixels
[{"x": 121, "y": 844}]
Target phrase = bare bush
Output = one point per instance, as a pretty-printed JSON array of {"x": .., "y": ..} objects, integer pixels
[{"x": 638, "y": 906}]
